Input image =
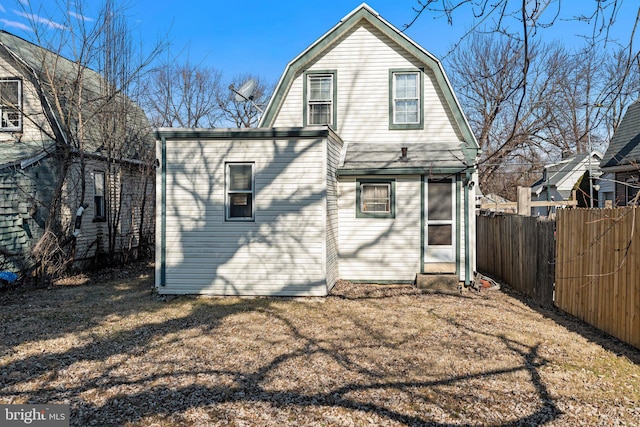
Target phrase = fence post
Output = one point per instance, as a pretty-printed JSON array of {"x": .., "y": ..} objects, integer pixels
[{"x": 524, "y": 200}]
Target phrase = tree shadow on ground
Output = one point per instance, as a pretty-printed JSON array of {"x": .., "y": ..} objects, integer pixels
[
  {"x": 573, "y": 324},
  {"x": 218, "y": 377}
]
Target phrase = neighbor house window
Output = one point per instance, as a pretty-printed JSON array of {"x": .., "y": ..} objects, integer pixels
[
  {"x": 240, "y": 192},
  {"x": 375, "y": 198},
  {"x": 10, "y": 104},
  {"x": 631, "y": 190},
  {"x": 320, "y": 91},
  {"x": 99, "y": 213},
  {"x": 405, "y": 100}
]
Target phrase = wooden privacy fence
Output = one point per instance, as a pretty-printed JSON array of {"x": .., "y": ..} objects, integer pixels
[
  {"x": 520, "y": 251},
  {"x": 598, "y": 269}
]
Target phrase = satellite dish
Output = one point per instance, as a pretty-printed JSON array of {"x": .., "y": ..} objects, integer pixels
[{"x": 245, "y": 92}]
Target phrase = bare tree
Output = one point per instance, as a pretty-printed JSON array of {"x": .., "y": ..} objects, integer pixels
[
  {"x": 526, "y": 102},
  {"x": 511, "y": 128},
  {"x": 88, "y": 69},
  {"x": 183, "y": 95},
  {"x": 241, "y": 112}
]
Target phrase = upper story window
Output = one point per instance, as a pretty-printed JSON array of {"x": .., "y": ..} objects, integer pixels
[
  {"x": 10, "y": 104},
  {"x": 320, "y": 92},
  {"x": 405, "y": 90}
]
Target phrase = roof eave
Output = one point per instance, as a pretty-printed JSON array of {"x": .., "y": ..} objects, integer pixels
[{"x": 401, "y": 171}]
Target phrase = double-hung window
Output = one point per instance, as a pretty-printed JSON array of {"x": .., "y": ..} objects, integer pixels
[
  {"x": 240, "y": 192},
  {"x": 10, "y": 104},
  {"x": 99, "y": 213},
  {"x": 405, "y": 109},
  {"x": 319, "y": 88},
  {"x": 375, "y": 198}
]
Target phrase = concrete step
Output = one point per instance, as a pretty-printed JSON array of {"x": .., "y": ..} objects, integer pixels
[{"x": 439, "y": 283}]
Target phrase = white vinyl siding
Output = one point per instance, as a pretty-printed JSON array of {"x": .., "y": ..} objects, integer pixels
[
  {"x": 364, "y": 81},
  {"x": 125, "y": 185},
  {"x": 332, "y": 261},
  {"x": 282, "y": 252},
  {"x": 381, "y": 249}
]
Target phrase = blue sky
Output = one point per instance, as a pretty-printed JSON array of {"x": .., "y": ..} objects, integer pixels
[{"x": 261, "y": 37}]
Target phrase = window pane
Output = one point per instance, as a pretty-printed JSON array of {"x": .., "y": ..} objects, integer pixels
[
  {"x": 9, "y": 93},
  {"x": 439, "y": 235},
  {"x": 98, "y": 206},
  {"x": 406, "y": 85},
  {"x": 240, "y": 177},
  {"x": 98, "y": 184},
  {"x": 319, "y": 114},
  {"x": 10, "y": 118},
  {"x": 376, "y": 198},
  {"x": 406, "y": 111},
  {"x": 320, "y": 88},
  {"x": 240, "y": 205},
  {"x": 439, "y": 200},
  {"x": 632, "y": 190}
]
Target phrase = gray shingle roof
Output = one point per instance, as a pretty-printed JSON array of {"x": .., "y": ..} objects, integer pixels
[
  {"x": 624, "y": 147},
  {"x": 15, "y": 153},
  {"x": 557, "y": 173},
  {"x": 41, "y": 63},
  {"x": 420, "y": 157}
]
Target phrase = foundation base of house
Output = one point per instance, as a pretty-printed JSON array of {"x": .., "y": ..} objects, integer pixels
[{"x": 439, "y": 283}]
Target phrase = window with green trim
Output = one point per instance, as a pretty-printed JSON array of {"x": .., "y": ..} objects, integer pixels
[
  {"x": 405, "y": 99},
  {"x": 320, "y": 98},
  {"x": 240, "y": 192},
  {"x": 375, "y": 198}
]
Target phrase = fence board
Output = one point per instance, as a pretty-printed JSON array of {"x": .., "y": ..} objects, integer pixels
[
  {"x": 519, "y": 251},
  {"x": 598, "y": 269}
]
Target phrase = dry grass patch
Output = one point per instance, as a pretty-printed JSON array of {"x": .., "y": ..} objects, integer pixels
[{"x": 381, "y": 355}]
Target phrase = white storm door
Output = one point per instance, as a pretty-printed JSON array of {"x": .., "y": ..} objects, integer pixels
[{"x": 440, "y": 221}]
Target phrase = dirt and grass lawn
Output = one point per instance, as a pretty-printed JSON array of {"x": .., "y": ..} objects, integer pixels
[{"x": 366, "y": 355}]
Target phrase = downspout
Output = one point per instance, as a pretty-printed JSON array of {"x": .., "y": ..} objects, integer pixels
[
  {"x": 467, "y": 251},
  {"x": 458, "y": 183},
  {"x": 423, "y": 206},
  {"x": 163, "y": 213},
  {"x": 77, "y": 226}
]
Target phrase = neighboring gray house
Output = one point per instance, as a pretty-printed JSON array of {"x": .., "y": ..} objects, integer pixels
[
  {"x": 30, "y": 162},
  {"x": 560, "y": 179},
  {"x": 363, "y": 169},
  {"x": 621, "y": 162}
]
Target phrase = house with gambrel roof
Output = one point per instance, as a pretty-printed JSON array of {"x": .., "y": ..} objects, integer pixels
[
  {"x": 109, "y": 193},
  {"x": 363, "y": 169}
]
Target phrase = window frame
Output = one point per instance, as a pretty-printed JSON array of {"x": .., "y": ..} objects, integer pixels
[
  {"x": 17, "y": 107},
  {"x": 99, "y": 200},
  {"x": 631, "y": 189},
  {"x": 306, "y": 91},
  {"x": 450, "y": 214},
  {"x": 392, "y": 99},
  {"x": 360, "y": 213},
  {"x": 228, "y": 192}
]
